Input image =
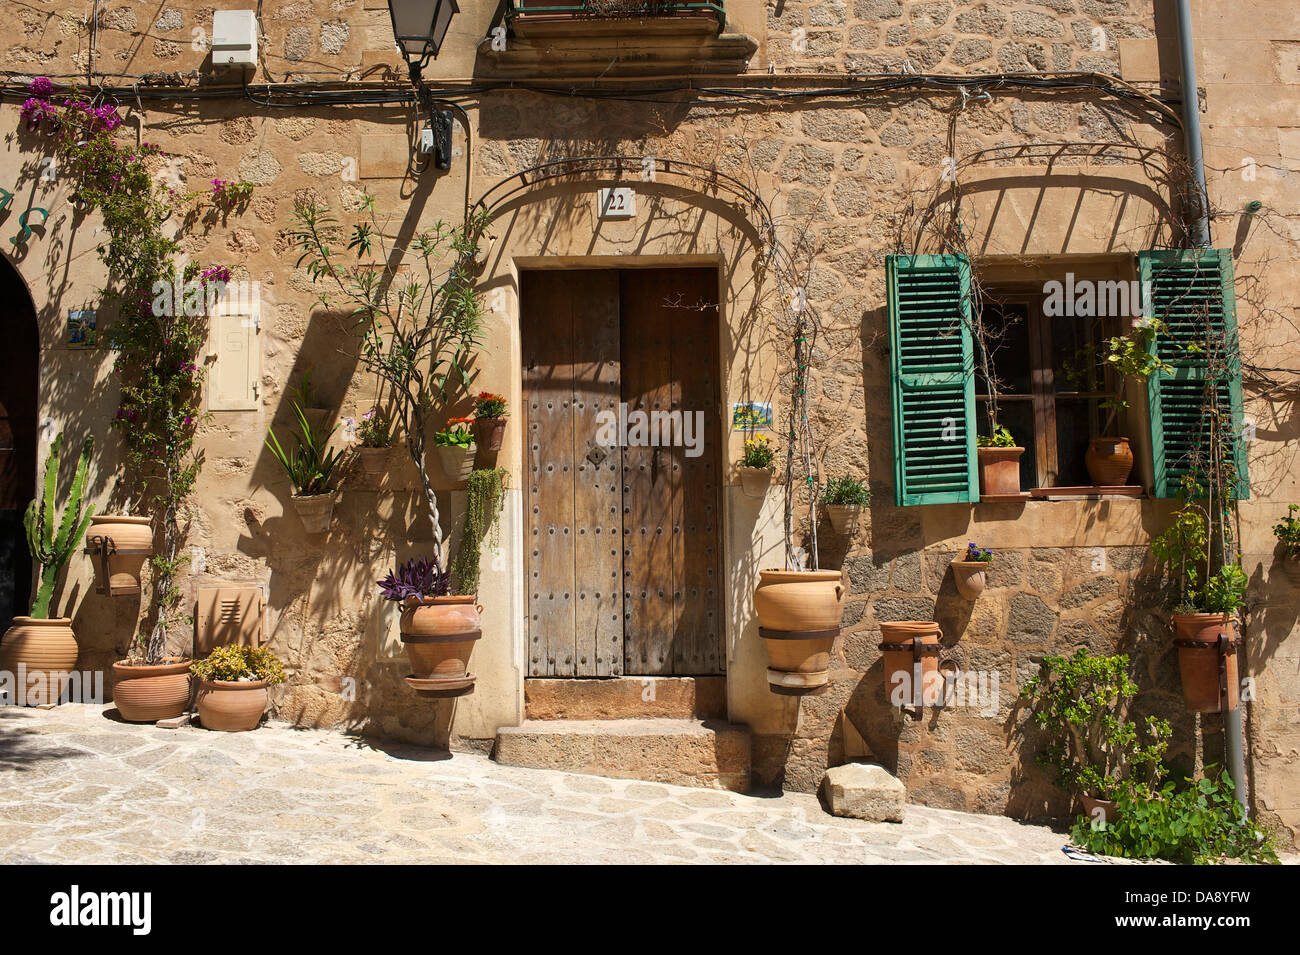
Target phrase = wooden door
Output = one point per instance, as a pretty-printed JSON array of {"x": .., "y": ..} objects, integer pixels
[
  {"x": 624, "y": 560},
  {"x": 17, "y": 443}
]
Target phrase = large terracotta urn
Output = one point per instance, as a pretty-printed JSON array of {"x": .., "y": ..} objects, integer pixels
[
  {"x": 119, "y": 545},
  {"x": 1197, "y": 639},
  {"x": 149, "y": 692},
  {"x": 41, "y": 654},
  {"x": 439, "y": 634},
  {"x": 799, "y": 614},
  {"x": 231, "y": 706},
  {"x": 1109, "y": 461}
]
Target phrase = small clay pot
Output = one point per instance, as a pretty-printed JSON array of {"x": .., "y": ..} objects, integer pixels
[
  {"x": 147, "y": 693},
  {"x": 1198, "y": 663},
  {"x": 119, "y": 533},
  {"x": 999, "y": 470},
  {"x": 456, "y": 463},
  {"x": 231, "y": 706},
  {"x": 1109, "y": 461},
  {"x": 314, "y": 510},
  {"x": 439, "y": 634},
  {"x": 489, "y": 433},
  {"x": 970, "y": 576},
  {"x": 1100, "y": 810},
  {"x": 844, "y": 517},
  {"x": 41, "y": 654},
  {"x": 755, "y": 481},
  {"x": 374, "y": 461}
]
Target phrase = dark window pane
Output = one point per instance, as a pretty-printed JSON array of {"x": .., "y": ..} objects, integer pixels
[{"x": 1007, "y": 333}]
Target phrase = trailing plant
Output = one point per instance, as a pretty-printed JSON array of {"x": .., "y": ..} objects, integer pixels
[
  {"x": 1287, "y": 532},
  {"x": 974, "y": 552},
  {"x": 484, "y": 499},
  {"x": 455, "y": 435},
  {"x": 1000, "y": 438},
  {"x": 488, "y": 405},
  {"x": 156, "y": 349},
  {"x": 416, "y": 579},
  {"x": 310, "y": 463},
  {"x": 375, "y": 430},
  {"x": 1184, "y": 548},
  {"x": 759, "y": 453},
  {"x": 1200, "y": 823},
  {"x": 238, "y": 663},
  {"x": 416, "y": 330},
  {"x": 1081, "y": 704},
  {"x": 49, "y": 546},
  {"x": 846, "y": 491}
]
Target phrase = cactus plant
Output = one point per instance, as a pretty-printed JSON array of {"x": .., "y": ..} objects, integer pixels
[{"x": 53, "y": 549}]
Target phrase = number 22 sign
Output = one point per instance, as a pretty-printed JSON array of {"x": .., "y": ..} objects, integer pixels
[{"x": 616, "y": 202}]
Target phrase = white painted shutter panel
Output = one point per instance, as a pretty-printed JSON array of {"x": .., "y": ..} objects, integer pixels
[{"x": 233, "y": 376}]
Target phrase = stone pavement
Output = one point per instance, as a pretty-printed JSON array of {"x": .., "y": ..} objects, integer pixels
[{"x": 77, "y": 786}]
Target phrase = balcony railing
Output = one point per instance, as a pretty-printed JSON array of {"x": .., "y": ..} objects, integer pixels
[{"x": 612, "y": 10}]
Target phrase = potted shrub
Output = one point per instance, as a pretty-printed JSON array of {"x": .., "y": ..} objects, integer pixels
[
  {"x": 844, "y": 498},
  {"x": 999, "y": 463},
  {"x": 1287, "y": 532},
  {"x": 970, "y": 571},
  {"x": 40, "y": 650},
  {"x": 233, "y": 687},
  {"x": 1081, "y": 704},
  {"x": 309, "y": 466},
  {"x": 454, "y": 446},
  {"x": 756, "y": 466},
  {"x": 438, "y": 628},
  {"x": 375, "y": 435},
  {"x": 489, "y": 420}
]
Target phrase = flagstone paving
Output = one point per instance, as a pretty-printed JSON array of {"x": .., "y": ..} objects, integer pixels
[{"x": 78, "y": 786}]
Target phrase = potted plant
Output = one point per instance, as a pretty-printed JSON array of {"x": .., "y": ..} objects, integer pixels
[
  {"x": 756, "y": 466},
  {"x": 454, "y": 446},
  {"x": 233, "y": 687},
  {"x": 844, "y": 498},
  {"x": 309, "y": 466},
  {"x": 1287, "y": 532},
  {"x": 489, "y": 420},
  {"x": 999, "y": 463},
  {"x": 314, "y": 409},
  {"x": 970, "y": 571},
  {"x": 375, "y": 435},
  {"x": 438, "y": 628},
  {"x": 484, "y": 499},
  {"x": 40, "y": 650},
  {"x": 1081, "y": 705}
]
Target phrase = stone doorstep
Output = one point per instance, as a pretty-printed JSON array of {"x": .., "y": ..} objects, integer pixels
[
  {"x": 709, "y": 754},
  {"x": 617, "y": 698}
]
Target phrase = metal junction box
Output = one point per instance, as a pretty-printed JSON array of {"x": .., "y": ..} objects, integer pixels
[{"x": 234, "y": 38}]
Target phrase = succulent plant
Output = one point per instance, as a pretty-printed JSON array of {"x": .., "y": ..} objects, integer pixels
[{"x": 419, "y": 577}]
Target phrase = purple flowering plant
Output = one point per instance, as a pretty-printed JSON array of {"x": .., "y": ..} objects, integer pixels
[
  {"x": 983, "y": 555},
  {"x": 418, "y": 578}
]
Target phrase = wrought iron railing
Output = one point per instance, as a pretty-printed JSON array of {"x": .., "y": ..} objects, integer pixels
[{"x": 614, "y": 9}]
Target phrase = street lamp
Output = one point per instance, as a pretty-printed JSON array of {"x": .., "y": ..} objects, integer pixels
[{"x": 419, "y": 27}]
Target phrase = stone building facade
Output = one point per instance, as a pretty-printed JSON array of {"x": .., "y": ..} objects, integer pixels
[{"x": 1049, "y": 146}]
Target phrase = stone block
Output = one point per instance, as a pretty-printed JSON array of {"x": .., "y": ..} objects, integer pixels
[{"x": 863, "y": 791}]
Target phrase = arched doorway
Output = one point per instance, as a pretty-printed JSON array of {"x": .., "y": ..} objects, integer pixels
[{"x": 19, "y": 370}]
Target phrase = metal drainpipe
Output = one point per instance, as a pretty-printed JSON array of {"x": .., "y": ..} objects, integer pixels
[{"x": 1232, "y": 733}]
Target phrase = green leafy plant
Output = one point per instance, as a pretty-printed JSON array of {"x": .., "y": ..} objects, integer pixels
[
  {"x": 1000, "y": 438},
  {"x": 237, "y": 663},
  {"x": 759, "y": 453},
  {"x": 49, "y": 546},
  {"x": 484, "y": 499},
  {"x": 1200, "y": 823},
  {"x": 1184, "y": 548},
  {"x": 974, "y": 552},
  {"x": 310, "y": 463},
  {"x": 376, "y": 430},
  {"x": 1287, "y": 532},
  {"x": 1081, "y": 704},
  {"x": 455, "y": 435},
  {"x": 489, "y": 405},
  {"x": 846, "y": 492}
]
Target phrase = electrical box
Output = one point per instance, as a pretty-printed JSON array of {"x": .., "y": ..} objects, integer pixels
[{"x": 234, "y": 38}]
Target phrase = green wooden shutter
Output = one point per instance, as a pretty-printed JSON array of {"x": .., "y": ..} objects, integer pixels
[
  {"x": 933, "y": 384},
  {"x": 1191, "y": 292}
]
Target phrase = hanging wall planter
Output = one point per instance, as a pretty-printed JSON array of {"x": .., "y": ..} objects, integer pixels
[
  {"x": 1109, "y": 461},
  {"x": 489, "y": 433},
  {"x": 41, "y": 653},
  {"x": 844, "y": 517},
  {"x": 314, "y": 510},
  {"x": 119, "y": 545},
  {"x": 970, "y": 576},
  {"x": 147, "y": 693},
  {"x": 1207, "y": 661},
  {"x": 755, "y": 481},
  {"x": 911, "y": 661},
  {"x": 374, "y": 461},
  {"x": 457, "y": 463},
  {"x": 799, "y": 613},
  {"x": 439, "y": 634}
]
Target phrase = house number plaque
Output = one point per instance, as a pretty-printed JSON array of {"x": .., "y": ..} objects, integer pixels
[{"x": 617, "y": 202}]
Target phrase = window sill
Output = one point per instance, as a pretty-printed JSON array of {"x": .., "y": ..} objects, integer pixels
[{"x": 1087, "y": 492}]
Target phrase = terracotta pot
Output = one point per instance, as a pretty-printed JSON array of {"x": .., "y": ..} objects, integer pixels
[
  {"x": 755, "y": 481},
  {"x": 439, "y": 635},
  {"x": 999, "y": 470},
  {"x": 489, "y": 433},
  {"x": 126, "y": 534},
  {"x": 911, "y": 680},
  {"x": 798, "y": 663},
  {"x": 844, "y": 517},
  {"x": 41, "y": 655},
  {"x": 1100, "y": 810},
  {"x": 1198, "y": 664},
  {"x": 799, "y": 599},
  {"x": 1109, "y": 461},
  {"x": 456, "y": 463},
  {"x": 147, "y": 693},
  {"x": 231, "y": 706},
  {"x": 374, "y": 461},
  {"x": 314, "y": 510},
  {"x": 970, "y": 576}
]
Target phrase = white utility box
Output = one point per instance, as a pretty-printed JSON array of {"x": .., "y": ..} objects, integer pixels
[{"x": 234, "y": 38}]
